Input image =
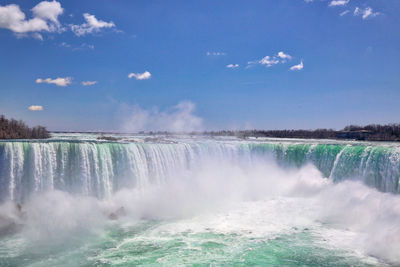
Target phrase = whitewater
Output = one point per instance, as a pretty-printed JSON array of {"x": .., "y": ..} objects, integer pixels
[{"x": 166, "y": 200}]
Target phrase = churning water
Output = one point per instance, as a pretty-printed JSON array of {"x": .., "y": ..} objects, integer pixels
[{"x": 175, "y": 201}]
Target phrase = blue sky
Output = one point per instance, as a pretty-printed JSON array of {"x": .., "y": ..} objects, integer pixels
[{"x": 152, "y": 65}]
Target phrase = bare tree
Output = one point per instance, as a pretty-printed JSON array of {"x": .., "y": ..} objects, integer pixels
[{"x": 13, "y": 129}]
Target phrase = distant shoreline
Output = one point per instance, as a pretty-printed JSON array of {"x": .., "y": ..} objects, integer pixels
[
  {"x": 13, "y": 129},
  {"x": 373, "y": 132}
]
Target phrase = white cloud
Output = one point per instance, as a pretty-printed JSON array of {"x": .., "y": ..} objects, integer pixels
[
  {"x": 88, "y": 83},
  {"x": 58, "y": 81},
  {"x": 179, "y": 118},
  {"x": 284, "y": 56},
  {"x": 308, "y": 1},
  {"x": 45, "y": 18},
  {"x": 12, "y": 18},
  {"x": 297, "y": 67},
  {"x": 339, "y": 2},
  {"x": 232, "y": 66},
  {"x": 35, "y": 108},
  {"x": 140, "y": 76},
  {"x": 92, "y": 25},
  {"x": 216, "y": 54},
  {"x": 270, "y": 61},
  {"x": 48, "y": 11},
  {"x": 344, "y": 13},
  {"x": 365, "y": 13}
]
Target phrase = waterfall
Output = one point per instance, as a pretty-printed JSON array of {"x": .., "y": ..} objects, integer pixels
[{"x": 99, "y": 168}]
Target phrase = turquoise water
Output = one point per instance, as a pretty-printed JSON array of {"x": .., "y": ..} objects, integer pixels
[
  {"x": 166, "y": 243},
  {"x": 199, "y": 202}
]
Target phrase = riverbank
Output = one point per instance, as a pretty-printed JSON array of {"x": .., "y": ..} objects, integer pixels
[{"x": 13, "y": 129}]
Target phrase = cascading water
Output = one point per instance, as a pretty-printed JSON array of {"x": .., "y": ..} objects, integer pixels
[
  {"x": 100, "y": 169},
  {"x": 209, "y": 201}
]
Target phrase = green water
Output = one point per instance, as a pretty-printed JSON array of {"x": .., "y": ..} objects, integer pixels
[
  {"x": 199, "y": 203},
  {"x": 136, "y": 245},
  {"x": 271, "y": 232}
]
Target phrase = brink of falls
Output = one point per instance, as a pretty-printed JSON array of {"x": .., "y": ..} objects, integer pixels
[{"x": 100, "y": 169}]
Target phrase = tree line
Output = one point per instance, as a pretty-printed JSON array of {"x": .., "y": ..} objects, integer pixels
[
  {"x": 13, "y": 129},
  {"x": 371, "y": 132}
]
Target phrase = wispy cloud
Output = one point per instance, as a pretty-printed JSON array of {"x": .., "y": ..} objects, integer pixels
[
  {"x": 45, "y": 18},
  {"x": 82, "y": 46},
  {"x": 339, "y": 2},
  {"x": 58, "y": 81},
  {"x": 232, "y": 66},
  {"x": 365, "y": 12},
  {"x": 140, "y": 76},
  {"x": 92, "y": 25},
  {"x": 37, "y": 36},
  {"x": 179, "y": 118},
  {"x": 297, "y": 67},
  {"x": 344, "y": 13},
  {"x": 64, "y": 44},
  {"x": 216, "y": 54},
  {"x": 270, "y": 61},
  {"x": 35, "y": 108},
  {"x": 88, "y": 83}
]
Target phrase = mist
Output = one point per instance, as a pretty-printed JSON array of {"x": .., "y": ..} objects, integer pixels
[
  {"x": 257, "y": 198},
  {"x": 178, "y": 118}
]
